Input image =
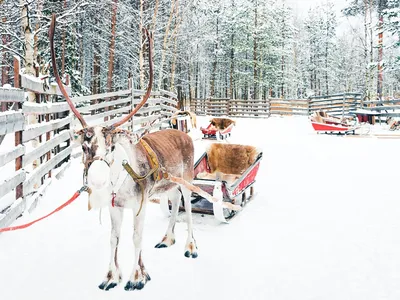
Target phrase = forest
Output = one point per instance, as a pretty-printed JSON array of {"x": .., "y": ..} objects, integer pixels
[{"x": 238, "y": 49}]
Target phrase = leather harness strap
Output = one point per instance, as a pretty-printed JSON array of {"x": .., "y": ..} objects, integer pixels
[
  {"x": 156, "y": 170},
  {"x": 152, "y": 159}
]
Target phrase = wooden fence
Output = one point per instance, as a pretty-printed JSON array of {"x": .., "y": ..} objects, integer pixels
[
  {"x": 289, "y": 107},
  {"x": 33, "y": 163},
  {"x": 333, "y": 104},
  {"x": 230, "y": 107},
  {"x": 106, "y": 109},
  {"x": 52, "y": 133},
  {"x": 382, "y": 108},
  {"x": 338, "y": 104}
]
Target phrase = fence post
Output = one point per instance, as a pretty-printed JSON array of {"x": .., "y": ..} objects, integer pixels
[
  {"x": 130, "y": 86},
  {"x": 344, "y": 103},
  {"x": 18, "y": 135}
]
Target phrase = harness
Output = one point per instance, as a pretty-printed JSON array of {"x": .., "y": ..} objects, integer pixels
[{"x": 156, "y": 170}]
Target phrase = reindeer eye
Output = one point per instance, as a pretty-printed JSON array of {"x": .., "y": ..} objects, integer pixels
[
  {"x": 88, "y": 135},
  {"x": 112, "y": 147}
]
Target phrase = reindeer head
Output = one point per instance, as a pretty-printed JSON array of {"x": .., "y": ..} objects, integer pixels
[{"x": 98, "y": 142}]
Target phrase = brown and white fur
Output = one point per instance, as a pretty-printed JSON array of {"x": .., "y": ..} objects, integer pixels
[
  {"x": 221, "y": 123},
  {"x": 175, "y": 153}
]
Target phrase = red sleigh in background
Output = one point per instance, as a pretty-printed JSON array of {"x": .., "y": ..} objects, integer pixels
[
  {"x": 219, "y": 128},
  {"x": 323, "y": 123}
]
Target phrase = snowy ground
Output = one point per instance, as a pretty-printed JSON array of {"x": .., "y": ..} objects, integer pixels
[{"x": 324, "y": 225}]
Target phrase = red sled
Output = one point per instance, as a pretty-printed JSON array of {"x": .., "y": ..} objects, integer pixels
[
  {"x": 236, "y": 188},
  {"x": 214, "y": 133},
  {"x": 229, "y": 184},
  {"x": 332, "y": 128},
  {"x": 323, "y": 123}
]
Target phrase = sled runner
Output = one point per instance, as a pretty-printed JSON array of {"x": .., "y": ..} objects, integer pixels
[
  {"x": 323, "y": 123},
  {"x": 228, "y": 172},
  {"x": 219, "y": 128}
]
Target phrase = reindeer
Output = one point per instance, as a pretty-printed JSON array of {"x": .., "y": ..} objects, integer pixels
[{"x": 156, "y": 154}]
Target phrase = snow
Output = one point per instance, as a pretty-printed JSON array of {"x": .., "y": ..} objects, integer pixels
[{"x": 323, "y": 225}]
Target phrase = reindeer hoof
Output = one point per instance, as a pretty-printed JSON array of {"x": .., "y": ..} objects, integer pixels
[
  {"x": 141, "y": 281},
  {"x": 131, "y": 286},
  {"x": 191, "y": 250},
  {"x": 105, "y": 286},
  {"x": 193, "y": 255},
  {"x": 166, "y": 242},
  {"x": 110, "y": 282}
]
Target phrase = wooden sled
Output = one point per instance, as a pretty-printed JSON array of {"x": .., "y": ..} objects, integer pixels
[
  {"x": 226, "y": 171},
  {"x": 323, "y": 123},
  {"x": 219, "y": 129}
]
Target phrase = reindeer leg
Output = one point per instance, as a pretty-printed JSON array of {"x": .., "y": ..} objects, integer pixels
[
  {"x": 191, "y": 247},
  {"x": 113, "y": 277},
  {"x": 139, "y": 275},
  {"x": 169, "y": 238}
]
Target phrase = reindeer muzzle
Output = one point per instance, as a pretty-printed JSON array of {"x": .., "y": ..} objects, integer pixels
[
  {"x": 99, "y": 182},
  {"x": 98, "y": 174}
]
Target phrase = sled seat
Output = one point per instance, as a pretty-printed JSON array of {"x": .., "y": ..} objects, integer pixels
[{"x": 228, "y": 162}]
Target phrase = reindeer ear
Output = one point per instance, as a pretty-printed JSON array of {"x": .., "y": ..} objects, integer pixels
[
  {"x": 79, "y": 132},
  {"x": 75, "y": 136},
  {"x": 86, "y": 133}
]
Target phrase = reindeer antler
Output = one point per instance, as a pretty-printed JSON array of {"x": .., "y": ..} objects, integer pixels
[
  {"x": 148, "y": 91},
  {"x": 58, "y": 79}
]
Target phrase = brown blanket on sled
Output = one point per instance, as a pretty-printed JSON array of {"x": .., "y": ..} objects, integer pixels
[{"x": 229, "y": 160}]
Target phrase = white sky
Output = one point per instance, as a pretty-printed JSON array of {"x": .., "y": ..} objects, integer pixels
[{"x": 302, "y": 6}]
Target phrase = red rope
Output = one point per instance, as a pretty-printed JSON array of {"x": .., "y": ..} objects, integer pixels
[{"x": 73, "y": 198}]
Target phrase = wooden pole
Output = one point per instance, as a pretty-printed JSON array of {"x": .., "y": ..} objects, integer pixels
[{"x": 18, "y": 135}]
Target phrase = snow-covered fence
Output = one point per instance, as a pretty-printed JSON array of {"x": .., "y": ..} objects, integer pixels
[
  {"x": 230, "y": 107},
  {"x": 334, "y": 104},
  {"x": 289, "y": 107},
  {"x": 198, "y": 106},
  {"x": 248, "y": 108},
  {"x": 217, "y": 107},
  {"x": 337, "y": 104},
  {"x": 12, "y": 122},
  {"x": 261, "y": 108},
  {"x": 383, "y": 108},
  {"x": 47, "y": 129},
  {"x": 106, "y": 109}
]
